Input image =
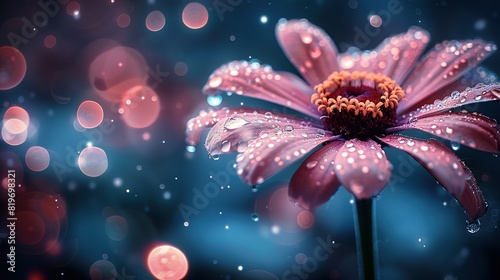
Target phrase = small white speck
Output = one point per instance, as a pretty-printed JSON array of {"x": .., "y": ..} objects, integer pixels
[{"x": 263, "y": 19}]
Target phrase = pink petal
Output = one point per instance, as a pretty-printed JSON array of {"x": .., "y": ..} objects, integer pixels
[
  {"x": 232, "y": 134},
  {"x": 443, "y": 65},
  {"x": 394, "y": 57},
  {"x": 315, "y": 180},
  {"x": 362, "y": 167},
  {"x": 272, "y": 152},
  {"x": 479, "y": 93},
  {"x": 434, "y": 156},
  {"x": 472, "y": 199},
  {"x": 309, "y": 48},
  {"x": 472, "y": 130},
  {"x": 204, "y": 120},
  {"x": 478, "y": 75},
  {"x": 260, "y": 81}
]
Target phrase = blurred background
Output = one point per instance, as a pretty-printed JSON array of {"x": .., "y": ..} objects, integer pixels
[{"x": 100, "y": 93}]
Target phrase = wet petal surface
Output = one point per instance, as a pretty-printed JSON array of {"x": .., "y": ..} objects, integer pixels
[
  {"x": 362, "y": 167},
  {"x": 272, "y": 152},
  {"x": 315, "y": 180},
  {"x": 309, "y": 48},
  {"x": 434, "y": 156},
  {"x": 260, "y": 81},
  {"x": 472, "y": 199},
  {"x": 443, "y": 65},
  {"x": 394, "y": 57}
]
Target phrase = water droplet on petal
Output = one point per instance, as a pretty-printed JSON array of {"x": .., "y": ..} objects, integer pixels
[
  {"x": 320, "y": 132},
  {"x": 215, "y": 82},
  {"x": 215, "y": 157},
  {"x": 455, "y": 94},
  {"x": 473, "y": 227},
  {"x": 225, "y": 146},
  {"x": 455, "y": 146},
  {"x": 288, "y": 128},
  {"x": 268, "y": 115},
  {"x": 235, "y": 122},
  {"x": 255, "y": 217},
  {"x": 312, "y": 164}
]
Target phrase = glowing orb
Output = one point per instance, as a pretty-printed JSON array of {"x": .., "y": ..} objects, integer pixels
[
  {"x": 93, "y": 161},
  {"x": 375, "y": 21},
  {"x": 15, "y": 126},
  {"x": 12, "y": 67},
  {"x": 114, "y": 71},
  {"x": 180, "y": 68},
  {"x": 31, "y": 228},
  {"x": 73, "y": 8},
  {"x": 305, "y": 219},
  {"x": 123, "y": 20},
  {"x": 167, "y": 263},
  {"x": 116, "y": 227},
  {"x": 155, "y": 21},
  {"x": 140, "y": 107},
  {"x": 14, "y": 139},
  {"x": 49, "y": 41},
  {"x": 89, "y": 114},
  {"x": 195, "y": 15},
  {"x": 102, "y": 270},
  {"x": 37, "y": 158}
]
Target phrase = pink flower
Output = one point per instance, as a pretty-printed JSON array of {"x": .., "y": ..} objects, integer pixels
[{"x": 351, "y": 107}]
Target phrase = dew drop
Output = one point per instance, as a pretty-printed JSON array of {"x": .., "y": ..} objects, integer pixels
[
  {"x": 215, "y": 157},
  {"x": 315, "y": 52},
  {"x": 312, "y": 164},
  {"x": 455, "y": 94},
  {"x": 449, "y": 130},
  {"x": 455, "y": 146},
  {"x": 306, "y": 38},
  {"x": 235, "y": 122},
  {"x": 191, "y": 149},
  {"x": 225, "y": 146},
  {"x": 215, "y": 82},
  {"x": 214, "y": 100},
  {"x": 268, "y": 115},
  {"x": 255, "y": 217},
  {"x": 320, "y": 132},
  {"x": 473, "y": 227},
  {"x": 278, "y": 130},
  {"x": 288, "y": 128}
]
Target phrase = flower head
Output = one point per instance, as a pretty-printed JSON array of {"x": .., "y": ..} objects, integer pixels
[{"x": 351, "y": 107}]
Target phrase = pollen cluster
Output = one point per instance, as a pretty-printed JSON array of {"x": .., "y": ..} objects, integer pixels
[{"x": 357, "y": 103}]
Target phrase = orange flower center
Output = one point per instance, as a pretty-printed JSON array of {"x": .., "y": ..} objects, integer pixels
[{"x": 357, "y": 104}]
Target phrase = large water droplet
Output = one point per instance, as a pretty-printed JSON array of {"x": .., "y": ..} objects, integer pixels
[
  {"x": 255, "y": 217},
  {"x": 214, "y": 100},
  {"x": 288, "y": 128},
  {"x": 225, "y": 146},
  {"x": 215, "y": 82},
  {"x": 215, "y": 157},
  {"x": 311, "y": 164},
  {"x": 235, "y": 122},
  {"x": 455, "y": 145},
  {"x": 473, "y": 227}
]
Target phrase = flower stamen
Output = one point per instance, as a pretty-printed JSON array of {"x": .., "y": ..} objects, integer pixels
[{"x": 358, "y": 104}]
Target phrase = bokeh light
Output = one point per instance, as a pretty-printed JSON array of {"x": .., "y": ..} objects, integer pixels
[
  {"x": 50, "y": 41},
  {"x": 37, "y": 158},
  {"x": 167, "y": 262},
  {"x": 114, "y": 71},
  {"x": 93, "y": 161},
  {"x": 102, "y": 270},
  {"x": 140, "y": 107},
  {"x": 195, "y": 15},
  {"x": 123, "y": 20},
  {"x": 155, "y": 21},
  {"x": 116, "y": 227},
  {"x": 375, "y": 21},
  {"x": 73, "y": 8},
  {"x": 12, "y": 67},
  {"x": 89, "y": 114}
]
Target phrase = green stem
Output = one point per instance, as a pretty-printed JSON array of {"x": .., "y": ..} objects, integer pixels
[{"x": 365, "y": 240}]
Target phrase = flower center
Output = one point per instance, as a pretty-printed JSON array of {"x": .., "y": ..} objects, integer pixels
[{"x": 357, "y": 104}]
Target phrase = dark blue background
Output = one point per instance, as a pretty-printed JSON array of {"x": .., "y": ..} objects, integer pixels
[{"x": 421, "y": 229}]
